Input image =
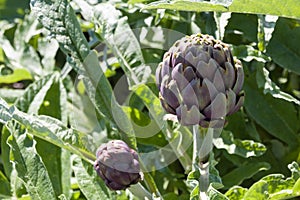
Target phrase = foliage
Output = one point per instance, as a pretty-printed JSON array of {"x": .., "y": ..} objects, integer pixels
[{"x": 76, "y": 74}]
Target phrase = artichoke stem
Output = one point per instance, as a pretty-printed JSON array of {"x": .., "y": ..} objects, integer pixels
[{"x": 202, "y": 145}]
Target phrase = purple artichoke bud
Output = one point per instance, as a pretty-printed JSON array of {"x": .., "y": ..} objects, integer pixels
[
  {"x": 199, "y": 81},
  {"x": 117, "y": 164}
]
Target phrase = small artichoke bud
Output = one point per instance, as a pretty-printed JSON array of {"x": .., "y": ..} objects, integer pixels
[
  {"x": 117, "y": 164},
  {"x": 199, "y": 81}
]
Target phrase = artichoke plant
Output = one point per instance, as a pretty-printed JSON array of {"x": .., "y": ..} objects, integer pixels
[
  {"x": 199, "y": 81},
  {"x": 117, "y": 165}
]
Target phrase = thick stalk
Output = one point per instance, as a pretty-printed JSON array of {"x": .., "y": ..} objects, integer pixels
[
  {"x": 139, "y": 191},
  {"x": 201, "y": 149}
]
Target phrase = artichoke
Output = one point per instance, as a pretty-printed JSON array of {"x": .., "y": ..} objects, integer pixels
[
  {"x": 199, "y": 81},
  {"x": 117, "y": 165}
]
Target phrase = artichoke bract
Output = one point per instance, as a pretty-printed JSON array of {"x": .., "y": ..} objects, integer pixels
[
  {"x": 199, "y": 81},
  {"x": 117, "y": 164}
]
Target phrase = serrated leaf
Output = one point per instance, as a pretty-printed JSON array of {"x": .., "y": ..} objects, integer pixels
[
  {"x": 244, "y": 171},
  {"x": 19, "y": 74},
  {"x": 264, "y": 81},
  {"x": 118, "y": 36},
  {"x": 89, "y": 182},
  {"x": 274, "y": 186},
  {"x": 288, "y": 8},
  {"x": 283, "y": 46},
  {"x": 30, "y": 167},
  {"x": 244, "y": 148},
  {"x": 295, "y": 169},
  {"x": 53, "y": 131},
  {"x": 59, "y": 18}
]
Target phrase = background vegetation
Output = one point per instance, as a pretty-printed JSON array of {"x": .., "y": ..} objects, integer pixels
[{"x": 76, "y": 74}]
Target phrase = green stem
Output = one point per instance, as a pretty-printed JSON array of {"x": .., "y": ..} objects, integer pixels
[
  {"x": 139, "y": 191},
  {"x": 201, "y": 148},
  {"x": 150, "y": 183}
]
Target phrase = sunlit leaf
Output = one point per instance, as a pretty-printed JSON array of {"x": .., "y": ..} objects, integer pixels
[
  {"x": 264, "y": 81},
  {"x": 244, "y": 148},
  {"x": 10, "y": 95},
  {"x": 34, "y": 94},
  {"x": 118, "y": 36},
  {"x": 51, "y": 130},
  {"x": 30, "y": 167},
  {"x": 272, "y": 7},
  {"x": 59, "y": 18},
  {"x": 236, "y": 193},
  {"x": 17, "y": 75},
  {"x": 89, "y": 182}
]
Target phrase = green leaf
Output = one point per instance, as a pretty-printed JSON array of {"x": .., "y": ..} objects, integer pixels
[
  {"x": 214, "y": 194},
  {"x": 59, "y": 18},
  {"x": 10, "y": 95},
  {"x": 118, "y": 36},
  {"x": 275, "y": 115},
  {"x": 5, "y": 185},
  {"x": 10, "y": 10},
  {"x": 288, "y": 8},
  {"x": 5, "y": 114},
  {"x": 5, "y": 149},
  {"x": 248, "y": 53},
  {"x": 237, "y": 32},
  {"x": 284, "y": 44},
  {"x": 54, "y": 101},
  {"x": 51, "y": 130},
  {"x": 236, "y": 193},
  {"x": 35, "y": 93},
  {"x": 274, "y": 186},
  {"x": 295, "y": 169},
  {"x": 48, "y": 57},
  {"x": 66, "y": 173},
  {"x": 89, "y": 182},
  {"x": 30, "y": 167},
  {"x": 264, "y": 81},
  {"x": 25, "y": 31},
  {"x": 51, "y": 156},
  {"x": 179, "y": 138},
  {"x": 101, "y": 94},
  {"x": 19, "y": 74},
  {"x": 146, "y": 130},
  {"x": 244, "y": 171},
  {"x": 244, "y": 148}
]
